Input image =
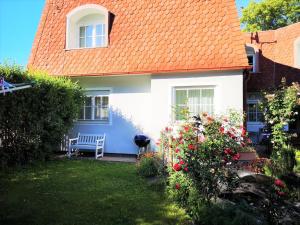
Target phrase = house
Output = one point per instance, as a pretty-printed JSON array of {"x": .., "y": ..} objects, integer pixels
[
  {"x": 274, "y": 54},
  {"x": 137, "y": 60}
]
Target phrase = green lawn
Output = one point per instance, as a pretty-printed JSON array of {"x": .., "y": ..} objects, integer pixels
[{"x": 84, "y": 192}]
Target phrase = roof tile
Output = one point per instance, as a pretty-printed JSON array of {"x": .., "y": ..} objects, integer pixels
[{"x": 146, "y": 36}]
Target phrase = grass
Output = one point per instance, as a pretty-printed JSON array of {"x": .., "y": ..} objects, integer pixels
[{"x": 85, "y": 192}]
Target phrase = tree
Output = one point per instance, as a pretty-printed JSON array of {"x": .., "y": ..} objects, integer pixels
[{"x": 270, "y": 14}]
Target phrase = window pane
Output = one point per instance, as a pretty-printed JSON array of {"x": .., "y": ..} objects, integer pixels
[
  {"x": 89, "y": 31},
  {"x": 89, "y": 42},
  {"x": 81, "y": 113},
  {"x": 88, "y": 112},
  {"x": 181, "y": 97},
  {"x": 251, "y": 108},
  {"x": 194, "y": 101},
  {"x": 99, "y": 30},
  {"x": 250, "y": 60},
  {"x": 82, "y": 43},
  {"x": 88, "y": 101},
  {"x": 99, "y": 41},
  {"x": 105, "y": 101},
  {"x": 82, "y": 32}
]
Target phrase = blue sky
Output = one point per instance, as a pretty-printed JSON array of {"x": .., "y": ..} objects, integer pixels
[{"x": 18, "y": 24}]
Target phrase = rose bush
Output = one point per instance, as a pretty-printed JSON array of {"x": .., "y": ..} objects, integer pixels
[{"x": 202, "y": 156}]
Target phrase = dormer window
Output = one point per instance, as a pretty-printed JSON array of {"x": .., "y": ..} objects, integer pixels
[
  {"x": 87, "y": 27},
  {"x": 92, "y": 36},
  {"x": 252, "y": 56}
]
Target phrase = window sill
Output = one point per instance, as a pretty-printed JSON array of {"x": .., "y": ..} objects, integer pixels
[
  {"x": 255, "y": 123},
  {"x": 70, "y": 49},
  {"x": 92, "y": 122}
]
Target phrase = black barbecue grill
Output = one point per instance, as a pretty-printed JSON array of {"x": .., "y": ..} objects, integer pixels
[{"x": 142, "y": 141}]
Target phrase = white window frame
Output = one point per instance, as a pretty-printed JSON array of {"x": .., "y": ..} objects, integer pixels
[
  {"x": 94, "y": 35},
  {"x": 253, "y": 101},
  {"x": 190, "y": 88},
  {"x": 255, "y": 55},
  {"x": 73, "y": 28},
  {"x": 93, "y": 120}
]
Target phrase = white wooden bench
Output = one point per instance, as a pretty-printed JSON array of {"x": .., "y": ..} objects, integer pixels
[{"x": 87, "y": 142}]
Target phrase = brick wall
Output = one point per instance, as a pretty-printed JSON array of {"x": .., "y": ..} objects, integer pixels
[{"x": 276, "y": 57}]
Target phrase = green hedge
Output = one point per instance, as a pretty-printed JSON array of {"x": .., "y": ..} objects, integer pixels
[{"x": 33, "y": 121}]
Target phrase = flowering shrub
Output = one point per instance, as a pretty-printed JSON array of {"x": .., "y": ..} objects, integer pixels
[
  {"x": 149, "y": 165},
  {"x": 201, "y": 154}
]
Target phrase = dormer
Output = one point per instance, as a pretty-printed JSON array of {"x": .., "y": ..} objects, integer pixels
[
  {"x": 253, "y": 57},
  {"x": 87, "y": 27}
]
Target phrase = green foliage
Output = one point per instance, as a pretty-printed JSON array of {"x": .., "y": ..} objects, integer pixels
[
  {"x": 33, "y": 121},
  {"x": 149, "y": 165},
  {"x": 229, "y": 214},
  {"x": 279, "y": 110},
  {"x": 270, "y": 14},
  {"x": 202, "y": 156}
]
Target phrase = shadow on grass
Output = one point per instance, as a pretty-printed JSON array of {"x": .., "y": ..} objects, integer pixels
[{"x": 83, "y": 192}]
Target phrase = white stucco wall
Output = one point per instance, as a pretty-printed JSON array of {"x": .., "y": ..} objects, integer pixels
[
  {"x": 143, "y": 104},
  {"x": 130, "y": 110},
  {"x": 228, "y": 93}
]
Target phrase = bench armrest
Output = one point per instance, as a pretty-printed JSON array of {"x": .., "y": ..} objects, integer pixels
[
  {"x": 98, "y": 141},
  {"x": 73, "y": 140}
]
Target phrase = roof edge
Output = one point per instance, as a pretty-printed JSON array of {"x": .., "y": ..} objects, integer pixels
[{"x": 158, "y": 72}]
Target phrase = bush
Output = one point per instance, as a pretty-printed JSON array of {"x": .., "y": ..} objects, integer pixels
[
  {"x": 228, "y": 214},
  {"x": 206, "y": 151},
  {"x": 33, "y": 121},
  {"x": 149, "y": 165}
]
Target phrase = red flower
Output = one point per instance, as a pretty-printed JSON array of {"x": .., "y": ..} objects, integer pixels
[
  {"x": 167, "y": 129},
  {"x": 177, "y": 150},
  {"x": 177, "y": 167},
  {"x": 231, "y": 135},
  {"x": 191, "y": 147},
  {"x": 186, "y": 128},
  {"x": 221, "y": 130},
  {"x": 228, "y": 151},
  {"x": 181, "y": 162},
  {"x": 186, "y": 169},
  {"x": 244, "y": 132},
  {"x": 210, "y": 119},
  {"x": 225, "y": 120},
  {"x": 279, "y": 183},
  {"x": 243, "y": 144},
  {"x": 237, "y": 156},
  {"x": 177, "y": 186}
]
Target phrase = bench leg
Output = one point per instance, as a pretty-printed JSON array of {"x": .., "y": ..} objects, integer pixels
[{"x": 97, "y": 154}]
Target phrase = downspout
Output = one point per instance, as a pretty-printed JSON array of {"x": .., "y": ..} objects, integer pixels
[{"x": 246, "y": 75}]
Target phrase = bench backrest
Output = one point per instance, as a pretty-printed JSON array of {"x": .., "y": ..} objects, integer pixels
[{"x": 90, "y": 139}]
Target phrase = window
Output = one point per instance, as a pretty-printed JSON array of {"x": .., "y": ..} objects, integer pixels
[
  {"x": 254, "y": 114},
  {"x": 96, "y": 108},
  {"x": 87, "y": 27},
  {"x": 252, "y": 58},
  {"x": 196, "y": 100},
  {"x": 92, "y": 36}
]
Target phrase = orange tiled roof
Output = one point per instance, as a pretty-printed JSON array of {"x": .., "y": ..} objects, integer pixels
[{"x": 147, "y": 37}]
